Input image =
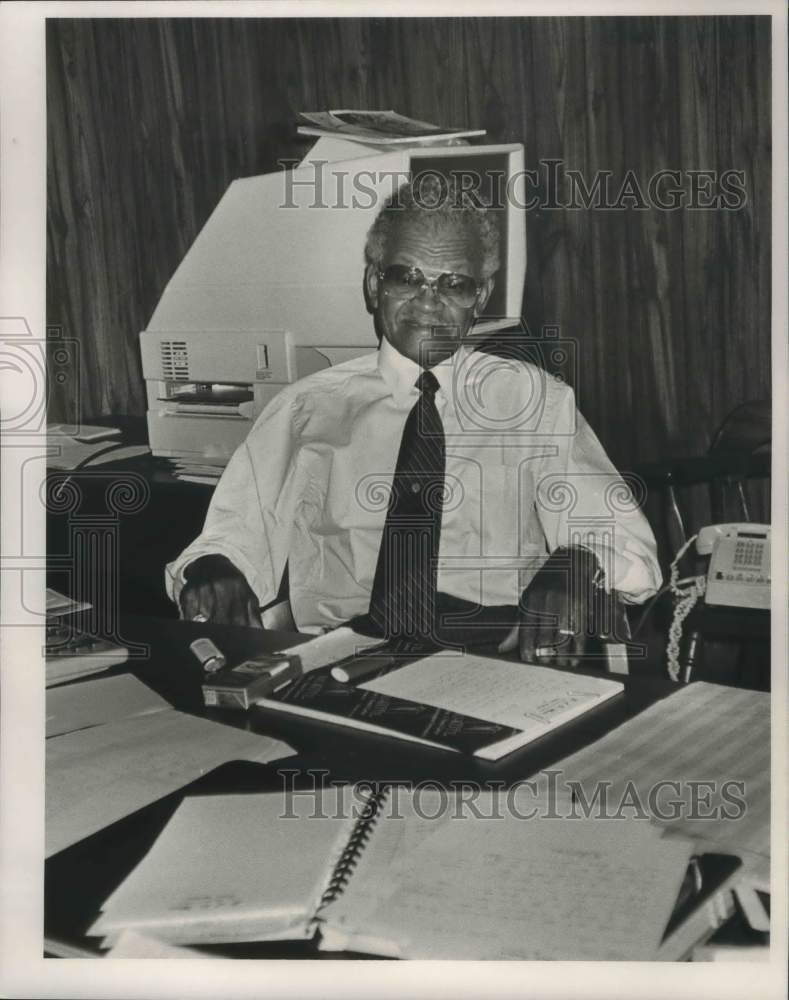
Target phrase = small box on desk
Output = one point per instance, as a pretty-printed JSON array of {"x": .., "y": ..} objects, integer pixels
[{"x": 242, "y": 685}]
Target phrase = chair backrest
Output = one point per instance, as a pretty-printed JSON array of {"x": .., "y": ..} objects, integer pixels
[
  {"x": 740, "y": 451},
  {"x": 746, "y": 429},
  {"x": 742, "y": 445}
]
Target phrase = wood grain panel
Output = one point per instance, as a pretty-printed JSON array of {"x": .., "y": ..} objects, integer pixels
[{"x": 669, "y": 311}]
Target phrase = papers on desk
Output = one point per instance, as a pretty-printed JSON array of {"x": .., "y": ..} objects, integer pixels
[
  {"x": 713, "y": 743},
  {"x": 119, "y": 454},
  {"x": 74, "y": 447},
  {"x": 397, "y": 883},
  {"x": 81, "y": 432},
  {"x": 131, "y": 944},
  {"x": 58, "y": 604},
  {"x": 467, "y": 703},
  {"x": 97, "y": 702},
  {"x": 71, "y": 455},
  {"x": 534, "y": 700},
  {"x": 97, "y": 776}
]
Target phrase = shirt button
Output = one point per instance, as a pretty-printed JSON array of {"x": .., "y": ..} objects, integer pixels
[{"x": 414, "y": 487}]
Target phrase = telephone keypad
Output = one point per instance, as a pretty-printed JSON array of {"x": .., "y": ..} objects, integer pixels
[{"x": 748, "y": 553}]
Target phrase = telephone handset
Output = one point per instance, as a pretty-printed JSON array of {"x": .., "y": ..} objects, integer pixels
[{"x": 739, "y": 570}]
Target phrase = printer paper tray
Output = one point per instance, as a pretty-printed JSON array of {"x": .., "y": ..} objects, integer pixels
[{"x": 206, "y": 412}]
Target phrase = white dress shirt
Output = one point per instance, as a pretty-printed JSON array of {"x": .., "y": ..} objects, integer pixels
[{"x": 524, "y": 474}]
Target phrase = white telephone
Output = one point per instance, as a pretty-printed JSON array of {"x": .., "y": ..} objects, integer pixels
[{"x": 739, "y": 570}]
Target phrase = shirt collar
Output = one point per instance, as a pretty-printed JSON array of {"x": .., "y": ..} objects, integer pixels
[{"x": 400, "y": 373}]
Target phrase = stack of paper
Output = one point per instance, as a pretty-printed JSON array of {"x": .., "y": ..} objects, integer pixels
[
  {"x": 96, "y": 776},
  {"x": 193, "y": 472},
  {"x": 697, "y": 762}
]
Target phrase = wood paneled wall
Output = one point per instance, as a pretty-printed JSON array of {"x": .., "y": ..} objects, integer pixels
[{"x": 150, "y": 120}]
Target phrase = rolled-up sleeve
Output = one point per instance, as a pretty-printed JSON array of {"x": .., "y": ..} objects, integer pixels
[
  {"x": 581, "y": 499},
  {"x": 251, "y": 514}
]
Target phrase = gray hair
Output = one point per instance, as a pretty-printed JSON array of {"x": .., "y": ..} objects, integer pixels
[{"x": 436, "y": 204}]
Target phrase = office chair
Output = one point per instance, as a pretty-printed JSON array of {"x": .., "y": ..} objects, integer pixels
[{"x": 740, "y": 451}]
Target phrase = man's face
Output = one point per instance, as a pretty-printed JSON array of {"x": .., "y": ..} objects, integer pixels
[{"x": 428, "y": 326}]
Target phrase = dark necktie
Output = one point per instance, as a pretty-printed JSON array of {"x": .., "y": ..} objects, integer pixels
[{"x": 403, "y": 599}]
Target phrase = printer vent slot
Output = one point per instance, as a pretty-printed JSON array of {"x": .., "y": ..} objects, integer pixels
[{"x": 175, "y": 361}]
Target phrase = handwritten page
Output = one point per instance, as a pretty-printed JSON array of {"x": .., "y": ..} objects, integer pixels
[
  {"x": 407, "y": 819},
  {"x": 530, "y": 698},
  {"x": 99, "y": 775},
  {"x": 580, "y": 893},
  {"x": 375, "y": 877},
  {"x": 235, "y": 868},
  {"x": 96, "y": 702},
  {"x": 703, "y": 733},
  {"x": 509, "y": 888}
]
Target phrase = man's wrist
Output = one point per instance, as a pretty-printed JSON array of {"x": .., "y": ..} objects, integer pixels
[{"x": 210, "y": 566}]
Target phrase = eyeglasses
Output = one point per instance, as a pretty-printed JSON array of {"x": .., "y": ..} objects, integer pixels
[{"x": 405, "y": 282}]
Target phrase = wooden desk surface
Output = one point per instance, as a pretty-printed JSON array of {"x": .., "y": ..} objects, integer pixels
[{"x": 78, "y": 879}]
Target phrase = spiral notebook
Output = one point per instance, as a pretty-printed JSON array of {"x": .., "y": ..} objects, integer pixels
[
  {"x": 403, "y": 874},
  {"x": 230, "y": 868}
]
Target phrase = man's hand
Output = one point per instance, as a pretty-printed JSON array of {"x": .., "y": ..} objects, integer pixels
[
  {"x": 217, "y": 592},
  {"x": 561, "y": 611}
]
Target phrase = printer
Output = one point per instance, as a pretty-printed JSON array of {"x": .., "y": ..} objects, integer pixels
[
  {"x": 206, "y": 388},
  {"x": 271, "y": 289}
]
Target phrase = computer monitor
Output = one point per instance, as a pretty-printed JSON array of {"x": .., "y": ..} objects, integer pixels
[
  {"x": 285, "y": 251},
  {"x": 272, "y": 289}
]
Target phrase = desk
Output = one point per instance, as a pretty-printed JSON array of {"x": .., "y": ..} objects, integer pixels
[
  {"x": 749, "y": 628},
  {"x": 171, "y": 669},
  {"x": 79, "y": 878}
]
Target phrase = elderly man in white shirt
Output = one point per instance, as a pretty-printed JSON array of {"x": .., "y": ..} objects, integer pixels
[{"x": 535, "y": 522}]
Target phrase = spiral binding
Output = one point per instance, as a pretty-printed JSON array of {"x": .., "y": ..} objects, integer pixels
[{"x": 361, "y": 833}]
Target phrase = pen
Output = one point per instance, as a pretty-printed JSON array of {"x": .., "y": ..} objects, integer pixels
[{"x": 360, "y": 667}]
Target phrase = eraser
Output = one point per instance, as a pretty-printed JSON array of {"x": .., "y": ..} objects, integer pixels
[{"x": 211, "y": 659}]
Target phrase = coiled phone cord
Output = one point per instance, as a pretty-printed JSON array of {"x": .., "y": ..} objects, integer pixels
[{"x": 686, "y": 593}]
